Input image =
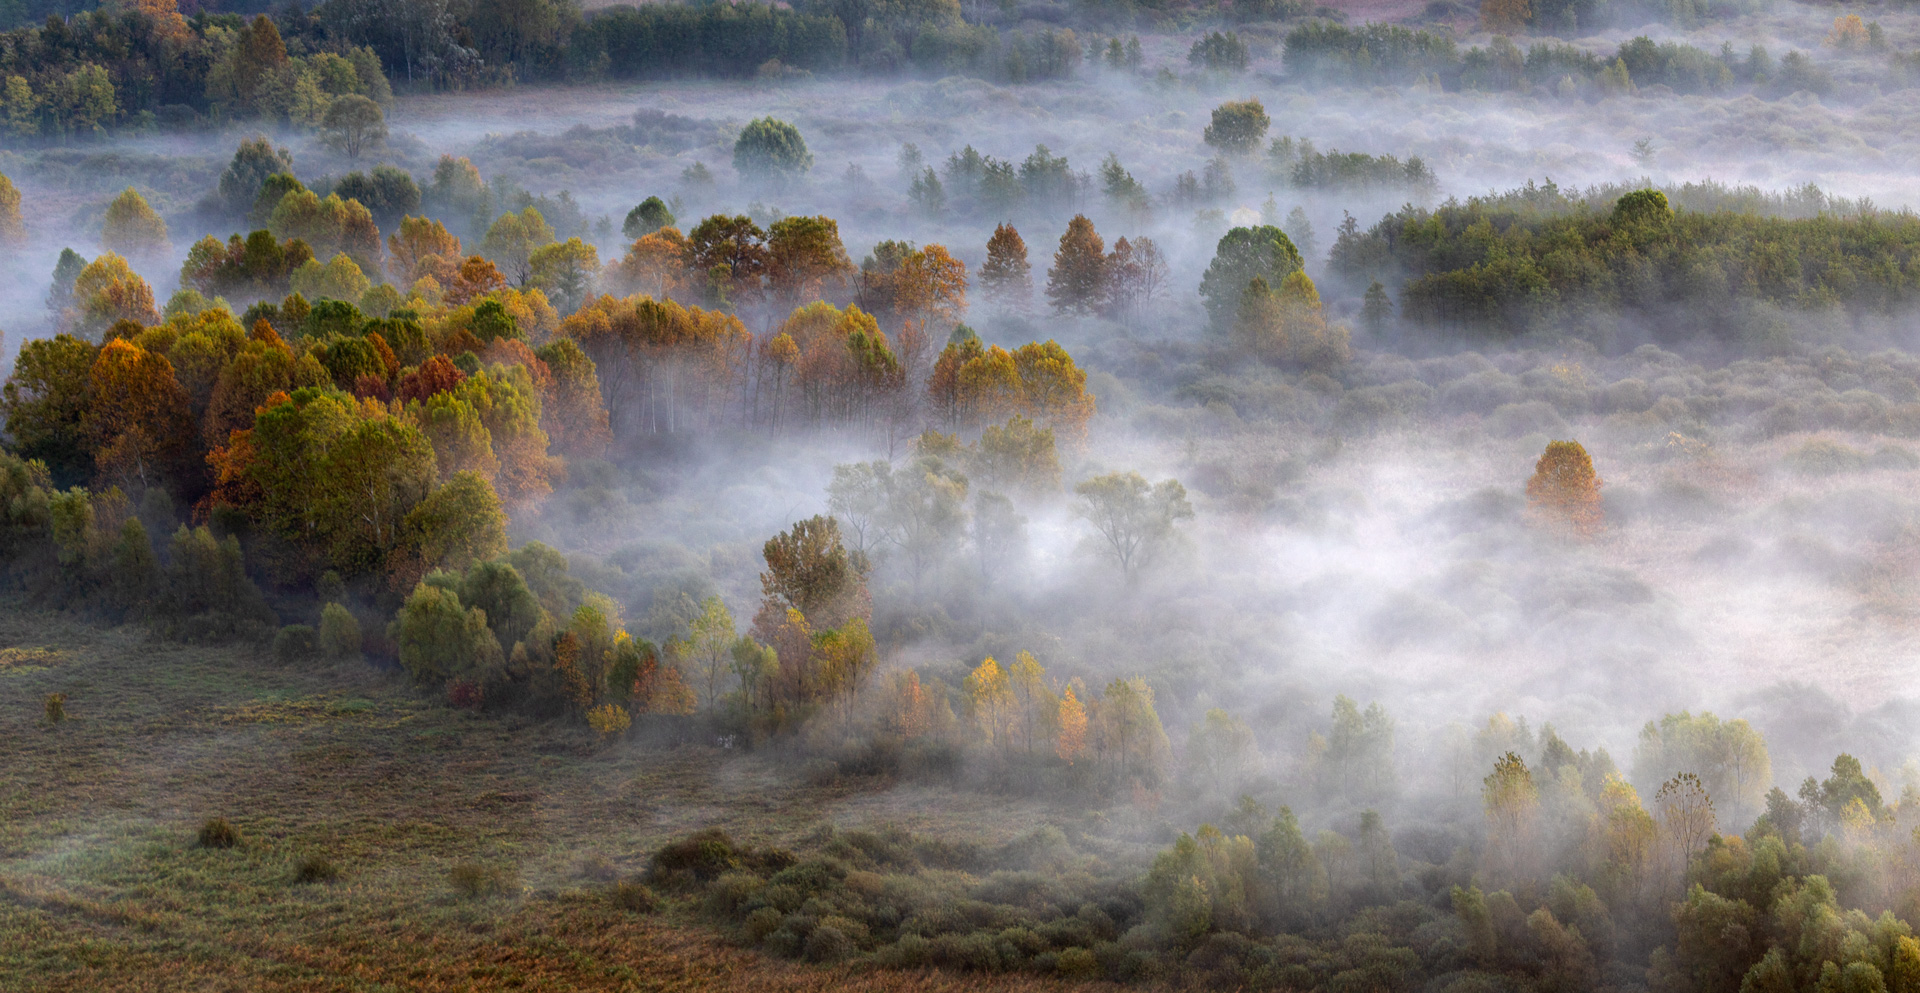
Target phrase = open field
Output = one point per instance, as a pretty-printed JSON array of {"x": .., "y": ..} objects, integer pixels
[{"x": 103, "y": 886}]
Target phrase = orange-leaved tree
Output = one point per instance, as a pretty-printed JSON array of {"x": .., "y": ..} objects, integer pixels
[{"x": 1564, "y": 488}]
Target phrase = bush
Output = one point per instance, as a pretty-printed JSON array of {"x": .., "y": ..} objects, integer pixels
[
  {"x": 828, "y": 944},
  {"x": 295, "y": 643},
  {"x": 315, "y": 869},
  {"x": 473, "y": 880},
  {"x": 1820, "y": 457},
  {"x": 761, "y": 924},
  {"x": 339, "y": 636},
  {"x": 217, "y": 833},
  {"x": 634, "y": 896},
  {"x": 1077, "y": 963},
  {"x": 56, "y": 707},
  {"x": 703, "y": 855}
]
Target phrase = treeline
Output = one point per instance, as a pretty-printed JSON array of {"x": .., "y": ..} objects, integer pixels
[
  {"x": 1559, "y": 877},
  {"x": 1506, "y": 268},
  {"x": 148, "y": 67},
  {"x": 448, "y": 42},
  {"x": 1387, "y": 54}
]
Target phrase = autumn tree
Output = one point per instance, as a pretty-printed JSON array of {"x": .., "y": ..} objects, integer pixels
[
  {"x": 108, "y": 291},
  {"x": 1505, "y": 16},
  {"x": 1564, "y": 489},
  {"x": 805, "y": 259},
  {"x": 1132, "y": 519},
  {"x": 1136, "y": 276},
  {"x": 139, "y": 419},
  {"x": 1238, "y": 126},
  {"x": 132, "y": 228},
  {"x": 13, "y": 230},
  {"x": 1686, "y": 812},
  {"x": 655, "y": 264},
  {"x": 990, "y": 698},
  {"x": 1018, "y": 456},
  {"x": 809, "y": 570},
  {"x": 422, "y": 248},
  {"x": 572, "y": 412},
  {"x": 511, "y": 241},
  {"x": 1512, "y": 803},
  {"x": 1071, "y": 742},
  {"x": 1006, "y": 277},
  {"x": 1078, "y": 280},
  {"x": 565, "y": 271}
]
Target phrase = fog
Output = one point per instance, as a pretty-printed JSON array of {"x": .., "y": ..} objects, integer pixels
[{"x": 1390, "y": 558}]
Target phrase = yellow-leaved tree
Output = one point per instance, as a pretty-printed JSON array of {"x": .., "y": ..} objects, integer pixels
[{"x": 1565, "y": 490}]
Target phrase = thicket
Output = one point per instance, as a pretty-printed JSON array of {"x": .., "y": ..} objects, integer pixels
[
  {"x": 1510, "y": 265},
  {"x": 148, "y": 67},
  {"x": 1555, "y": 877},
  {"x": 1376, "y": 54}
]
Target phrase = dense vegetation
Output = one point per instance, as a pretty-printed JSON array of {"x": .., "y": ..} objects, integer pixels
[{"x": 1372, "y": 54}]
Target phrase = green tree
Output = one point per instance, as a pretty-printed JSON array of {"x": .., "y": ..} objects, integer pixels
[
  {"x": 771, "y": 150},
  {"x": 459, "y": 524},
  {"x": 254, "y": 161},
  {"x": 441, "y": 641},
  {"x": 512, "y": 240},
  {"x": 353, "y": 124},
  {"x": 649, "y": 216},
  {"x": 565, "y": 270},
  {"x": 339, "y": 636},
  {"x": 1242, "y": 255},
  {"x": 498, "y": 589},
  {"x": 1132, "y": 519},
  {"x": 45, "y": 403},
  {"x": 132, "y": 228},
  {"x": 1238, "y": 127},
  {"x": 709, "y": 650}
]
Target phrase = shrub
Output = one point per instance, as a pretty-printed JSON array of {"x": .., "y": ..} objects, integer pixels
[
  {"x": 295, "y": 643},
  {"x": 761, "y": 924},
  {"x": 339, "y": 636},
  {"x": 828, "y": 943},
  {"x": 703, "y": 855},
  {"x": 1077, "y": 963},
  {"x": 731, "y": 893},
  {"x": 56, "y": 707},
  {"x": 217, "y": 833},
  {"x": 1820, "y": 457},
  {"x": 473, "y": 880},
  {"x": 609, "y": 720},
  {"x": 315, "y": 869},
  {"x": 634, "y": 896}
]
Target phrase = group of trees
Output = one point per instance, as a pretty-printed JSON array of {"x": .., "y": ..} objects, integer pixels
[
  {"x": 1373, "y": 54},
  {"x": 1505, "y": 266},
  {"x": 144, "y": 65}
]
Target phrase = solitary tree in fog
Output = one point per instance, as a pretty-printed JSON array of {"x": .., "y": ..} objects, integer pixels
[
  {"x": 1238, "y": 126},
  {"x": 1007, "y": 277},
  {"x": 353, "y": 124},
  {"x": 1077, "y": 283},
  {"x": 132, "y": 228},
  {"x": 771, "y": 150},
  {"x": 1131, "y": 517},
  {"x": 651, "y": 215},
  {"x": 1565, "y": 489}
]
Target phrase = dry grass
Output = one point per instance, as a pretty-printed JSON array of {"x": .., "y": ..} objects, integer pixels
[{"x": 103, "y": 885}]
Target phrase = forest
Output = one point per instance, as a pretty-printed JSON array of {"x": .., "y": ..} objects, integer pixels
[{"x": 844, "y": 495}]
